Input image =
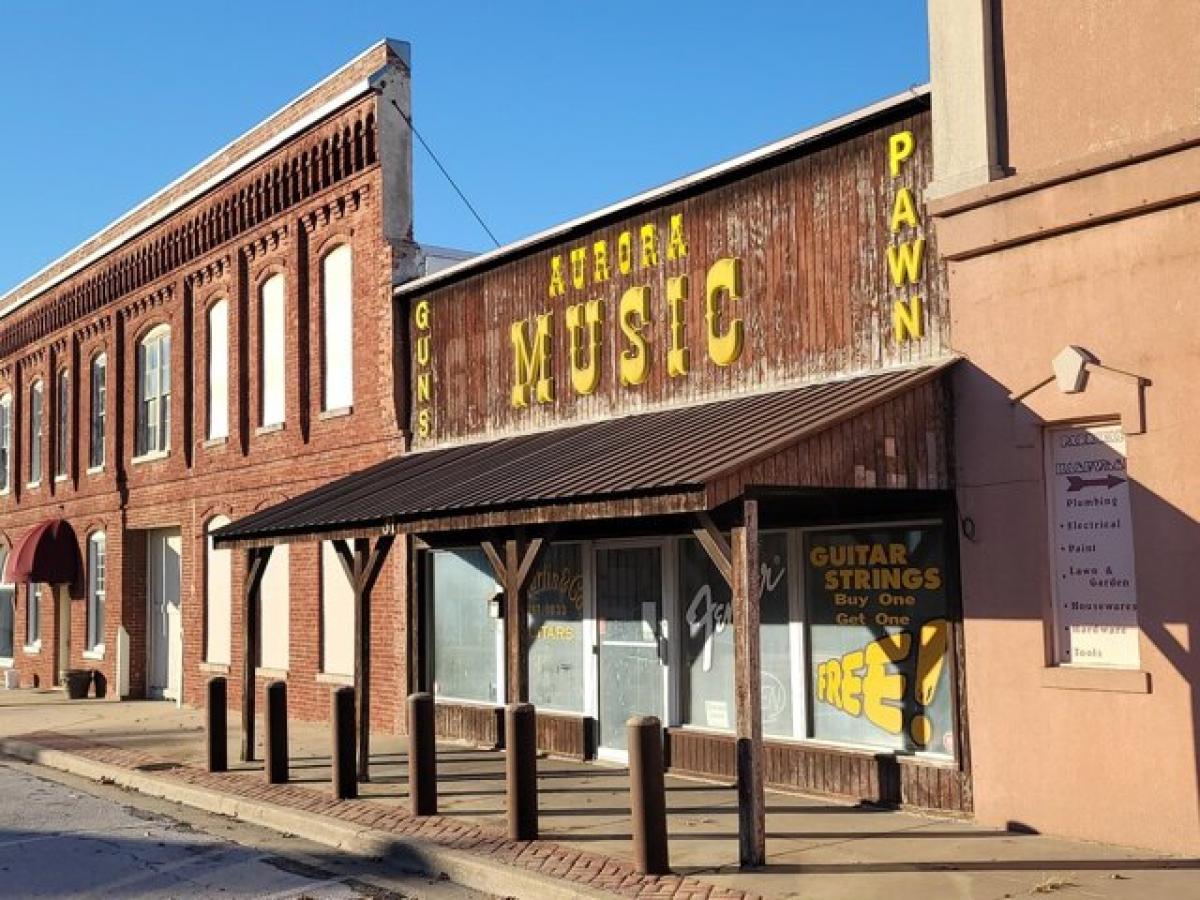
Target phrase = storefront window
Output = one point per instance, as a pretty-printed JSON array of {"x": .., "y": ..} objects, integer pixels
[
  {"x": 708, "y": 674},
  {"x": 465, "y": 636},
  {"x": 556, "y": 657},
  {"x": 7, "y": 611},
  {"x": 878, "y": 631}
]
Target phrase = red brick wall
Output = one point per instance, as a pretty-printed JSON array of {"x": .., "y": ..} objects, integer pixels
[{"x": 198, "y": 479}]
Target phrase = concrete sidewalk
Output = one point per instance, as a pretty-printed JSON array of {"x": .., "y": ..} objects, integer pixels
[{"x": 817, "y": 849}]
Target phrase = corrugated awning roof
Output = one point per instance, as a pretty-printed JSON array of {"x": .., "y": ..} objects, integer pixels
[{"x": 674, "y": 451}]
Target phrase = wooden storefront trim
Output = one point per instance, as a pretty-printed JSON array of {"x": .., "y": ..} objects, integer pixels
[{"x": 848, "y": 774}]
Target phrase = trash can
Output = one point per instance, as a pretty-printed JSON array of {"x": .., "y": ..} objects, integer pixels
[{"x": 78, "y": 682}]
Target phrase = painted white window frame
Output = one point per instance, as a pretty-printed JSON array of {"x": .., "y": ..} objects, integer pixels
[
  {"x": 98, "y": 413},
  {"x": 276, "y": 616},
  {"x": 218, "y": 370},
  {"x": 337, "y": 290},
  {"x": 6, "y": 433},
  {"x": 272, "y": 340},
  {"x": 153, "y": 436},
  {"x": 62, "y": 424},
  {"x": 33, "y": 618},
  {"x": 37, "y": 415},
  {"x": 97, "y": 561},
  {"x": 6, "y": 662}
]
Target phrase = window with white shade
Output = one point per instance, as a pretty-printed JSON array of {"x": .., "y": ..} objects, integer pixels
[
  {"x": 99, "y": 399},
  {"x": 5, "y": 443},
  {"x": 35, "y": 433},
  {"x": 218, "y": 598},
  {"x": 337, "y": 615},
  {"x": 218, "y": 370},
  {"x": 62, "y": 426},
  {"x": 97, "y": 550},
  {"x": 273, "y": 641},
  {"x": 154, "y": 392},
  {"x": 272, "y": 361},
  {"x": 337, "y": 284}
]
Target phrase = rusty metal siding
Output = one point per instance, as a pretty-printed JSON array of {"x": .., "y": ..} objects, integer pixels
[
  {"x": 719, "y": 447},
  {"x": 812, "y": 231}
]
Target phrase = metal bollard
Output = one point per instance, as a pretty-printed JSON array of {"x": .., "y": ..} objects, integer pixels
[
  {"x": 520, "y": 762},
  {"x": 345, "y": 781},
  {"x": 422, "y": 755},
  {"x": 647, "y": 796},
  {"x": 217, "y": 726},
  {"x": 277, "y": 735}
]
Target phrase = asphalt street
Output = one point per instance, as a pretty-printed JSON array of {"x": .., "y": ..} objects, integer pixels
[{"x": 64, "y": 837}]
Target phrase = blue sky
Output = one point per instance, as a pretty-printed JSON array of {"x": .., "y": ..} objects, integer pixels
[{"x": 541, "y": 111}]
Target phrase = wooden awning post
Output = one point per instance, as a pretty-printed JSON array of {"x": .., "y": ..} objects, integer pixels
[
  {"x": 747, "y": 668},
  {"x": 512, "y": 572},
  {"x": 362, "y": 565},
  {"x": 256, "y": 566}
]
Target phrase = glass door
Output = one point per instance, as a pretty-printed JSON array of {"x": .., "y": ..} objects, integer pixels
[{"x": 629, "y": 595}]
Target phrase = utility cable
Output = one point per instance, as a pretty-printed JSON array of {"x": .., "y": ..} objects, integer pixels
[{"x": 413, "y": 128}]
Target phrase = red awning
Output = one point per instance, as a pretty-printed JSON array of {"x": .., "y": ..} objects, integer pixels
[{"x": 48, "y": 554}]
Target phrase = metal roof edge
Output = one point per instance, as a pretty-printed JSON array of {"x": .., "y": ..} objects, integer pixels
[
  {"x": 934, "y": 365},
  {"x": 24, "y": 293},
  {"x": 661, "y": 192}
]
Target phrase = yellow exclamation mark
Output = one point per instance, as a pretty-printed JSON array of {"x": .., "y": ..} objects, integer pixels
[{"x": 931, "y": 660}]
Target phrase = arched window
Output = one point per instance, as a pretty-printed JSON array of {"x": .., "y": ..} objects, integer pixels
[
  {"x": 97, "y": 550},
  {"x": 62, "y": 422},
  {"x": 154, "y": 392},
  {"x": 218, "y": 597},
  {"x": 99, "y": 399},
  {"x": 6, "y": 443},
  {"x": 218, "y": 370},
  {"x": 337, "y": 285},
  {"x": 35, "y": 433},
  {"x": 272, "y": 360}
]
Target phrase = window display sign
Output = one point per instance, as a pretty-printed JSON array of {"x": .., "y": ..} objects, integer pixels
[
  {"x": 879, "y": 637},
  {"x": 556, "y": 630},
  {"x": 1095, "y": 592},
  {"x": 707, "y": 607}
]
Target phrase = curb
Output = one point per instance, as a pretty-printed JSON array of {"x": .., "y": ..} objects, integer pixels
[{"x": 410, "y": 856}]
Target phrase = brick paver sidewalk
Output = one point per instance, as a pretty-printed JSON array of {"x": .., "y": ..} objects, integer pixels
[{"x": 592, "y": 870}]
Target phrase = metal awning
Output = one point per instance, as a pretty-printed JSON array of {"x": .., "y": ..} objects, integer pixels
[
  {"x": 47, "y": 553},
  {"x": 646, "y": 464}
]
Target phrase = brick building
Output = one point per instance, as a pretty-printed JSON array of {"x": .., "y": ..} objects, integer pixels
[{"x": 224, "y": 346}]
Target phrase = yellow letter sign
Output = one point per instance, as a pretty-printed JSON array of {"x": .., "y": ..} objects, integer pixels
[{"x": 531, "y": 361}]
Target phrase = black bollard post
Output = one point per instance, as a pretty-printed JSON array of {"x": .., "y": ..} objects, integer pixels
[
  {"x": 647, "y": 796},
  {"x": 277, "y": 736},
  {"x": 217, "y": 726},
  {"x": 345, "y": 780},
  {"x": 520, "y": 761},
  {"x": 422, "y": 755}
]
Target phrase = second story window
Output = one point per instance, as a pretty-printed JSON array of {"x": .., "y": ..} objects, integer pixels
[
  {"x": 5, "y": 443},
  {"x": 154, "y": 392},
  {"x": 35, "y": 433},
  {"x": 99, "y": 398},
  {"x": 272, "y": 360},
  {"x": 62, "y": 423},
  {"x": 218, "y": 370},
  {"x": 338, "y": 344}
]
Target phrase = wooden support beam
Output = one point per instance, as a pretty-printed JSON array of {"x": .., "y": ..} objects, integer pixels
[
  {"x": 497, "y": 562},
  {"x": 345, "y": 556},
  {"x": 747, "y": 675},
  {"x": 256, "y": 566},
  {"x": 365, "y": 564},
  {"x": 713, "y": 541}
]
